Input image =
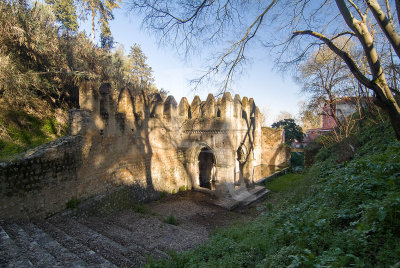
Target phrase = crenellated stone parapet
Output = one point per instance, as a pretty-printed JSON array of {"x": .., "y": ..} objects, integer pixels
[{"x": 130, "y": 110}]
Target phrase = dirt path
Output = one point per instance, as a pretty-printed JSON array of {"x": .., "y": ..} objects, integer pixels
[{"x": 195, "y": 211}]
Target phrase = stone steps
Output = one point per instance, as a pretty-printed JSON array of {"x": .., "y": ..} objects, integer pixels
[
  {"x": 60, "y": 253},
  {"x": 102, "y": 245},
  {"x": 37, "y": 255},
  {"x": 10, "y": 254},
  {"x": 121, "y": 236},
  {"x": 90, "y": 257},
  {"x": 123, "y": 240},
  {"x": 242, "y": 198}
]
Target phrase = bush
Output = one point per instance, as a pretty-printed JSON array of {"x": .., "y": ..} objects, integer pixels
[
  {"x": 310, "y": 152},
  {"x": 297, "y": 159}
]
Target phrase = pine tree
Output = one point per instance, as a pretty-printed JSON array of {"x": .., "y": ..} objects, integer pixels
[
  {"x": 104, "y": 9},
  {"x": 140, "y": 70}
]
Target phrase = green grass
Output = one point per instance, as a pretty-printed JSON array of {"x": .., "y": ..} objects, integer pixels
[
  {"x": 140, "y": 208},
  {"x": 25, "y": 131},
  {"x": 182, "y": 189},
  {"x": 73, "y": 203},
  {"x": 285, "y": 183},
  {"x": 170, "y": 219}
]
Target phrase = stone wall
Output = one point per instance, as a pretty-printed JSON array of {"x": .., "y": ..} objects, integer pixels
[
  {"x": 147, "y": 143},
  {"x": 275, "y": 154},
  {"x": 40, "y": 181}
]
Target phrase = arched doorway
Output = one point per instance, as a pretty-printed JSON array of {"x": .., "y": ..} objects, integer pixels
[{"x": 207, "y": 168}]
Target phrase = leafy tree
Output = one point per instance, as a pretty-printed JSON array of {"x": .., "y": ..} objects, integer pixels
[
  {"x": 40, "y": 73},
  {"x": 293, "y": 28},
  {"x": 29, "y": 52},
  {"x": 292, "y": 130},
  {"x": 38, "y": 63},
  {"x": 140, "y": 71},
  {"x": 131, "y": 70},
  {"x": 65, "y": 11},
  {"x": 106, "y": 39}
]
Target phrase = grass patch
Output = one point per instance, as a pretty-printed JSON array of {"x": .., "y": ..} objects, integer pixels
[
  {"x": 285, "y": 183},
  {"x": 140, "y": 208},
  {"x": 288, "y": 189},
  {"x": 170, "y": 219},
  {"x": 73, "y": 203},
  {"x": 22, "y": 131},
  {"x": 182, "y": 189}
]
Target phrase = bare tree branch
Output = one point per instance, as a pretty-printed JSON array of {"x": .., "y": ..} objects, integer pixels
[
  {"x": 240, "y": 47},
  {"x": 362, "y": 16},
  {"x": 386, "y": 25},
  {"x": 343, "y": 54}
]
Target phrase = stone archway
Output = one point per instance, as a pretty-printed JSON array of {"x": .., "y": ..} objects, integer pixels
[{"x": 207, "y": 168}]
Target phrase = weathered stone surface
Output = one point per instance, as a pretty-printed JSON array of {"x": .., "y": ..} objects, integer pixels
[
  {"x": 195, "y": 107},
  {"x": 274, "y": 152},
  {"x": 170, "y": 108},
  {"x": 184, "y": 108}
]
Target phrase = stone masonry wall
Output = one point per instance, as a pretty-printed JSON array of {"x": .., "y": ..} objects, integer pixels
[
  {"x": 40, "y": 181},
  {"x": 274, "y": 151}
]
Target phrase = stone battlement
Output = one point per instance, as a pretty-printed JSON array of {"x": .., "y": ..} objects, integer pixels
[{"x": 132, "y": 108}]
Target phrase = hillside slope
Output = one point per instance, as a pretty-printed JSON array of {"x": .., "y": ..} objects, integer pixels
[{"x": 21, "y": 129}]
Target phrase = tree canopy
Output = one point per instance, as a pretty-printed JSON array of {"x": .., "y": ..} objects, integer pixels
[
  {"x": 103, "y": 9},
  {"x": 39, "y": 62},
  {"x": 292, "y": 130},
  {"x": 65, "y": 12}
]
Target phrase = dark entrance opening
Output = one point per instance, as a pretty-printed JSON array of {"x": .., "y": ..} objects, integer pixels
[{"x": 206, "y": 168}]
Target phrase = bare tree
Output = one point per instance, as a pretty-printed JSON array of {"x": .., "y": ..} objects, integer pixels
[
  {"x": 325, "y": 79},
  {"x": 284, "y": 115},
  {"x": 190, "y": 24},
  {"x": 265, "y": 114},
  {"x": 309, "y": 118},
  {"x": 299, "y": 25}
]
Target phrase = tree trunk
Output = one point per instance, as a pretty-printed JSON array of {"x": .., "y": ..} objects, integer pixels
[
  {"x": 385, "y": 24},
  {"x": 394, "y": 117},
  {"x": 93, "y": 18},
  {"x": 390, "y": 106}
]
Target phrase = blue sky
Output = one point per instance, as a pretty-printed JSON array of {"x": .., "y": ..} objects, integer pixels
[{"x": 271, "y": 90}]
